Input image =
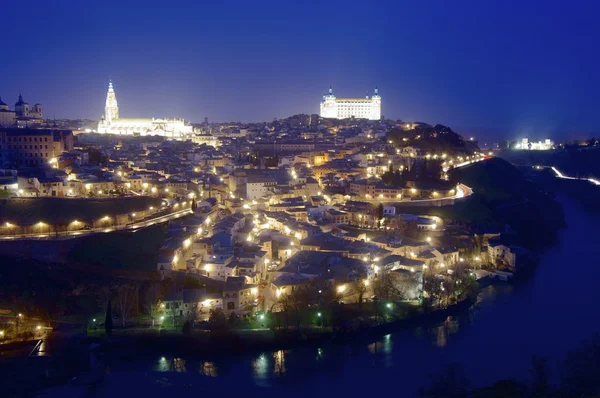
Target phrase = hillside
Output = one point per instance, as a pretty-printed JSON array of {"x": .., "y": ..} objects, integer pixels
[
  {"x": 434, "y": 139},
  {"x": 495, "y": 180}
]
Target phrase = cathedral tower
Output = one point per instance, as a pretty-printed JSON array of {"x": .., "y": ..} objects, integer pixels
[{"x": 111, "y": 110}]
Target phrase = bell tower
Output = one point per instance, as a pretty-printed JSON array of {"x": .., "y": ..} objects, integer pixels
[{"x": 111, "y": 110}]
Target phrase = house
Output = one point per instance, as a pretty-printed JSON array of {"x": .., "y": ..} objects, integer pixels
[
  {"x": 502, "y": 255},
  {"x": 192, "y": 304},
  {"x": 239, "y": 297},
  {"x": 446, "y": 255}
]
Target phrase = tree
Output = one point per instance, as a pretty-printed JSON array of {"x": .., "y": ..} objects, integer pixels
[
  {"x": 359, "y": 288},
  {"x": 540, "y": 378},
  {"x": 379, "y": 213},
  {"x": 187, "y": 327},
  {"x": 388, "y": 287},
  {"x": 217, "y": 320},
  {"x": 108, "y": 324},
  {"x": 126, "y": 300},
  {"x": 450, "y": 383},
  {"x": 432, "y": 289},
  {"x": 232, "y": 319},
  {"x": 293, "y": 305}
]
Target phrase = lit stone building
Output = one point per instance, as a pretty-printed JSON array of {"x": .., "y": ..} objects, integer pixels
[
  {"x": 24, "y": 147},
  {"x": 545, "y": 145},
  {"x": 111, "y": 123},
  {"x": 343, "y": 108},
  {"x": 24, "y": 115},
  {"x": 7, "y": 117}
]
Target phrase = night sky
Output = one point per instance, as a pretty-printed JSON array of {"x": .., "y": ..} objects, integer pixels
[{"x": 504, "y": 68}]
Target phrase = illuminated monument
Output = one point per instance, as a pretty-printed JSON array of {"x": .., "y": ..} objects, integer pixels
[
  {"x": 111, "y": 123},
  {"x": 360, "y": 108}
]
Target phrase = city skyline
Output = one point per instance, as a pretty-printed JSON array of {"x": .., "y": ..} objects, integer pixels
[{"x": 256, "y": 64}]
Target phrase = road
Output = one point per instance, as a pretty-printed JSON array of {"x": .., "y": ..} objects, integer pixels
[
  {"x": 127, "y": 227},
  {"x": 561, "y": 175}
]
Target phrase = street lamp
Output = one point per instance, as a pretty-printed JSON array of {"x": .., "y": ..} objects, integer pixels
[
  {"x": 318, "y": 314},
  {"x": 389, "y": 305}
]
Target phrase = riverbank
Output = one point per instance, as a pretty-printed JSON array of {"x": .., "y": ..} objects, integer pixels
[{"x": 508, "y": 325}]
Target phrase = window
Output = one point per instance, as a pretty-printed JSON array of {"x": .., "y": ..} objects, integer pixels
[{"x": 231, "y": 305}]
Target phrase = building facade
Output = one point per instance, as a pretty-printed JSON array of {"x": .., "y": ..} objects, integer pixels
[
  {"x": 24, "y": 115},
  {"x": 23, "y": 147},
  {"x": 345, "y": 108},
  {"x": 112, "y": 123}
]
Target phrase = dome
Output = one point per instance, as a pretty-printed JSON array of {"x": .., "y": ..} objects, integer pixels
[
  {"x": 20, "y": 101},
  {"x": 2, "y": 103}
]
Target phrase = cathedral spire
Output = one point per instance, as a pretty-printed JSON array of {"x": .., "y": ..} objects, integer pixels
[{"x": 111, "y": 110}]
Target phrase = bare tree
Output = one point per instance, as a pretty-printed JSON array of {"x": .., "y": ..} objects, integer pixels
[
  {"x": 195, "y": 312},
  {"x": 359, "y": 289},
  {"x": 293, "y": 305},
  {"x": 388, "y": 287},
  {"x": 126, "y": 300}
]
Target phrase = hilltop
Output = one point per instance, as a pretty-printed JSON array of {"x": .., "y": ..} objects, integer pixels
[{"x": 438, "y": 138}]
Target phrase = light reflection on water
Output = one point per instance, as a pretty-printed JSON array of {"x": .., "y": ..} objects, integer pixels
[
  {"x": 449, "y": 327},
  {"x": 208, "y": 369},
  {"x": 180, "y": 365}
]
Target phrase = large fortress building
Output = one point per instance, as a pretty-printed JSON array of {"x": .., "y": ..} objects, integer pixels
[
  {"x": 344, "y": 108},
  {"x": 111, "y": 123}
]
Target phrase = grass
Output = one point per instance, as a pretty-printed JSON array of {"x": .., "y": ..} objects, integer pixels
[
  {"x": 120, "y": 250},
  {"x": 27, "y": 211}
]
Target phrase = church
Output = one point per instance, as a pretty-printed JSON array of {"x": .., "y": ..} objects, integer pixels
[{"x": 111, "y": 123}]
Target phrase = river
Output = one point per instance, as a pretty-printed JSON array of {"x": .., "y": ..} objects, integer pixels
[{"x": 548, "y": 315}]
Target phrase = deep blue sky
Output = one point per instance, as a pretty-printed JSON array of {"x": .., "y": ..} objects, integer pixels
[{"x": 514, "y": 67}]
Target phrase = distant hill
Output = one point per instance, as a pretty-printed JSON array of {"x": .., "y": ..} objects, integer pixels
[{"x": 580, "y": 161}]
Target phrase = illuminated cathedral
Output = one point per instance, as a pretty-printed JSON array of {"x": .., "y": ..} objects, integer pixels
[{"x": 111, "y": 123}]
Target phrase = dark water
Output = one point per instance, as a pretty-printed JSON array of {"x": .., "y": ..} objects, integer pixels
[{"x": 548, "y": 315}]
